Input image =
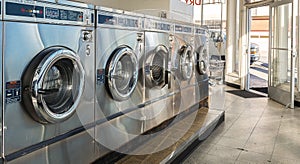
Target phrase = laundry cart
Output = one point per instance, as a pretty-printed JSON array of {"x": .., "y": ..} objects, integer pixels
[
  {"x": 216, "y": 62},
  {"x": 216, "y": 71}
]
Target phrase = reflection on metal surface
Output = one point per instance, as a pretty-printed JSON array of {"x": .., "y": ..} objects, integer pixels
[
  {"x": 122, "y": 73},
  {"x": 282, "y": 48},
  {"x": 202, "y": 67},
  {"x": 203, "y": 122},
  {"x": 186, "y": 62},
  {"x": 156, "y": 62},
  {"x": 56, "y": 85},
  {"x": 50, "y": 77},
  {"x": 202, "y": 63}
]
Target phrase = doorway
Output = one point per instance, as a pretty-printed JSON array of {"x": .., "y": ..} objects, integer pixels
[
  {"x": 258, "y": 65},
  {"x": 283, "y": 61}
]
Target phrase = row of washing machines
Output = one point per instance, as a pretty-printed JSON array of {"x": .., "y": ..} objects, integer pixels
[{"x": 80, "y": 81}]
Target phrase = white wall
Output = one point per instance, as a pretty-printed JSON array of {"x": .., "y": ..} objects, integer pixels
[
  {"x": 175, "y": 8},
  {"x": 181, "y": 11}
]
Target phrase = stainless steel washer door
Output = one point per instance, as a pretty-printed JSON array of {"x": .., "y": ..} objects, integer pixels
[
  {"x": 53, "y": 85},
  {"x": 202, "y": 61},
  {"x": 186, "y": 62},
  {"x": 156, "y": 66},
  {"x": 122, "y": 73}
]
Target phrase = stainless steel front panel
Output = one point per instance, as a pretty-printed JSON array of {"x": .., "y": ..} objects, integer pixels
[
  {"x": 152, "y": 41},
  {"x": 108, "y": 40},
  {"x": 77, "y": 149},
  {"x": 184, "y": 86},
  {"x": 201, "y": 90},
  {"x": 181, "y": 41},
  {"x": 201, "y": 56},
  {"x": 119, "y": 130},
  {"x": 22, "y": 42},
  {"x": 159, "y": 102},
  {"x": 201, "y": 52},
  {"x": 158, "y": 112},
  {"x": 114, "y": 134}
]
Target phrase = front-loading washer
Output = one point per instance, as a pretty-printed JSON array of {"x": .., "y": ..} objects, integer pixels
[
  {"x": 182, "y": 58},
  {"x": 159, "y": 92},
  {"x": 119, "y": 88},
  {"x": 48, "y": 83},
  {"x": 201, "y": 64}
]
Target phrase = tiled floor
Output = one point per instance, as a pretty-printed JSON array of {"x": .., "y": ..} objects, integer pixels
[{"x": 255, "y": 130}]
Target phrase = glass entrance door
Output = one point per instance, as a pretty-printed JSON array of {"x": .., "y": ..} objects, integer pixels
[{"x": 282, "y": 52}]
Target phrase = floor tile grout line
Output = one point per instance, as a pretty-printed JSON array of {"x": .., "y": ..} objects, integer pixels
[
  {"x": 251, "y": 133},
  {"x": 277, "y": 135},
  {"x": 233, "y": 122},
  {"x": 222, "y": 135}
]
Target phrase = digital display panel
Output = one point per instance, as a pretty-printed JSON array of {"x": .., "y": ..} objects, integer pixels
[
  {"x": 16, "y": 9},
  {"x": 179, "y": 28},
  {"x": 61, "y": 14},
  {"x": 162, "y": 26},
  {"x": 106, "y": 19}
]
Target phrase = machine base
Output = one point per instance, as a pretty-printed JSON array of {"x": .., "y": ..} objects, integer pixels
[{"x": 205, "y": 122}]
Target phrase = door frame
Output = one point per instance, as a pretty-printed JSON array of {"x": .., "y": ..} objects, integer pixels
[
  {"x": 291, "y": 51},
  {"x": 250, "y": 6}
]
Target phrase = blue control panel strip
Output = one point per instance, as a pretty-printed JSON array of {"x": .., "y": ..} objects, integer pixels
[
  {"x": 24, "y": 10},
  {"x": 162, "y": 26},
  {"x": 106, "y": 19},
  {"x": 120, "y": 21},
  {"x": 61, "y": 14},
  {"x": 179, "y": 28},
  {"x": 200, "y": 31},
  {"x": 34, "y": 11}
]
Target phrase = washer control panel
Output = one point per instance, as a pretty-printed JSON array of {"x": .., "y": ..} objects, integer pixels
[
  {"x": 184, "y": 29},
  {"x": 158, "y": 25},
  {"x": 34, "y": 11},
  {"x": 200, "y": 31},
  {"x": 24, "y": 10},
  {"x": 61, "y": 14},
  {"x": 119, "y": 20}
]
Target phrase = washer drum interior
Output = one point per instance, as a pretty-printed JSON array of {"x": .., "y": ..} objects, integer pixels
[
  {"x": 156, "y": 67},
  {"x": 122, "y": 73},
  {"x": 53, "y": 84}
]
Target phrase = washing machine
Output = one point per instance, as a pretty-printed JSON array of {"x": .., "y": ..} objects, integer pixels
[
  {"x": 48, "y": 85},
  {"x": 120, "y": 86},
  {"x": 202, "y": 63},
  {"x": 157, "y": 74},
  {"x": 182, "y": 58}
]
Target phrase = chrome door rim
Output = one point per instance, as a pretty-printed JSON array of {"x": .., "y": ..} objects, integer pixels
[
  {"x": 186, "y": 62},
  {"x": 40, "y": 106},
  {"x": 202, "y": 67},
  {"x": 201, "y": 62},
  {"x": 131, "y": 84},
  {"x": 150, "y": 79}
]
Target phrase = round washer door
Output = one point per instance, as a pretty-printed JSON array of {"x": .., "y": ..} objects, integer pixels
[
  {"x": 186, "y": 62},
  {"x": 156, "y": 65},
  {"x": 122, "y": 73},
  {"x": 53, "y": 85},
  {"x": 201, "y": 61}
]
